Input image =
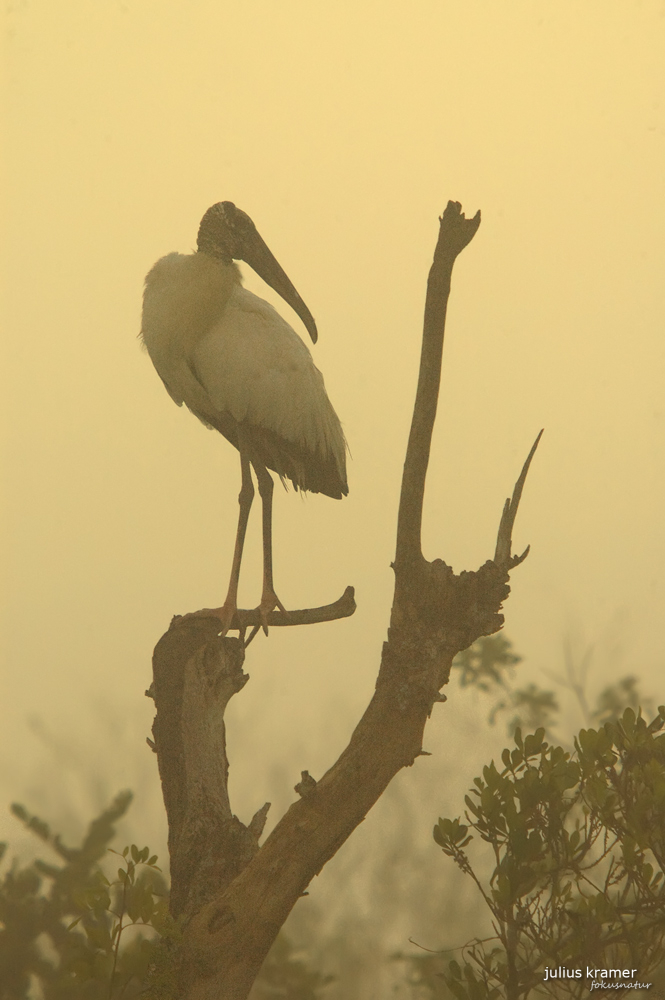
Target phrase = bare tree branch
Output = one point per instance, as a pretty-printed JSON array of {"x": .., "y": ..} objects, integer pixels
[
  {"x": 243, "y": 619},
  {"x": 502, "y": 554},
  {"x": 455, "y": 232}
]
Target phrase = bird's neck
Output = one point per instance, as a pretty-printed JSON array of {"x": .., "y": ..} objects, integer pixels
[{"x": 205, "y": 244}]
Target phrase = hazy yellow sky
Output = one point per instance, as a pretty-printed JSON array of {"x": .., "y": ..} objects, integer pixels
[{"x": 342, "y": 128}]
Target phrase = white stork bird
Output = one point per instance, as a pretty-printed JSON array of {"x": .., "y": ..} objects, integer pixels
[{"x": 241, "y": 369}]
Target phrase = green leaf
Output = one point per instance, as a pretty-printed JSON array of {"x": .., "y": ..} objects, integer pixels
[
  {"x": 534, "y": 744},
  {"x": 455, "y": 970}
]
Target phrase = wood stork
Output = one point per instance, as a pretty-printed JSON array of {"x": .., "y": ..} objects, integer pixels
[{"x": 242, "y": 370}]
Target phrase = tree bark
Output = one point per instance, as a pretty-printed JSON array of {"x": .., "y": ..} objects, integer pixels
[{"x": 233, "y": 894}]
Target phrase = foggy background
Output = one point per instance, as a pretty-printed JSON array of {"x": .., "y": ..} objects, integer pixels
[{"x": 342, "y": 129}]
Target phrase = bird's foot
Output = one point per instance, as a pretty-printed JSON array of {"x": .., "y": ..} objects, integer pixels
[
  {"x": 269, "y": 601},
  {"x": 226, "y": 615}
]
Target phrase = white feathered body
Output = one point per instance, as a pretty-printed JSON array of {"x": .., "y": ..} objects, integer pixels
[{"x": 232, "y": 359}]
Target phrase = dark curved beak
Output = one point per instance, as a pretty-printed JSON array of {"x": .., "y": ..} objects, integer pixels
[{"x": 256, "y": 253}]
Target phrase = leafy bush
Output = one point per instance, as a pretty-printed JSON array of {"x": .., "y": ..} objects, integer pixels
[
  {"x": 62, "y": 925},
  {"x": 65, "y": 927},
  {"x": 578, "y": 845}
]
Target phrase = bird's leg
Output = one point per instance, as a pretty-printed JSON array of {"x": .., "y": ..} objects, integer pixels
[
  {"x": 269, "y": 599},
  {"x": 245, "y": 497}
]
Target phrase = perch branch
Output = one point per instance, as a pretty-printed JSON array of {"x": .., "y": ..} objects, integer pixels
[{"x": 243, "y": 619}]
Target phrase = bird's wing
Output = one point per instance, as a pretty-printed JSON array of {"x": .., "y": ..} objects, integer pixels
[{"x": 253, "y": 365}]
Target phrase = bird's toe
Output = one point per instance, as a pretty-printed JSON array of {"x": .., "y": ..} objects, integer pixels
[{"x": 269, "y": 602}]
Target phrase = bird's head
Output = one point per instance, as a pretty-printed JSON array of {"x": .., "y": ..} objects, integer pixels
[{"x": 229, "y": 234}]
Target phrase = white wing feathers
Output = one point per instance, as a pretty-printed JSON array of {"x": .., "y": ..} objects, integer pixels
[{"x": 253, "y": 365}]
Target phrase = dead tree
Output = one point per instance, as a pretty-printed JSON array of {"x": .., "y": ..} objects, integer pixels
[{"x": 233, "y": 894}]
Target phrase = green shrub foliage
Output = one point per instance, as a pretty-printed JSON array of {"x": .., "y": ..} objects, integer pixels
[
  {"x": 577, "y": 844},
  {"x": 65, "y": 925},
  {"x": 79, "y": 935}
]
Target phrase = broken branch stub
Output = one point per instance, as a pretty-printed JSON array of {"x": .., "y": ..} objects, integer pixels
[
  {"x": 195, "y": 675},
  {"x": 502, "y": 556}
]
